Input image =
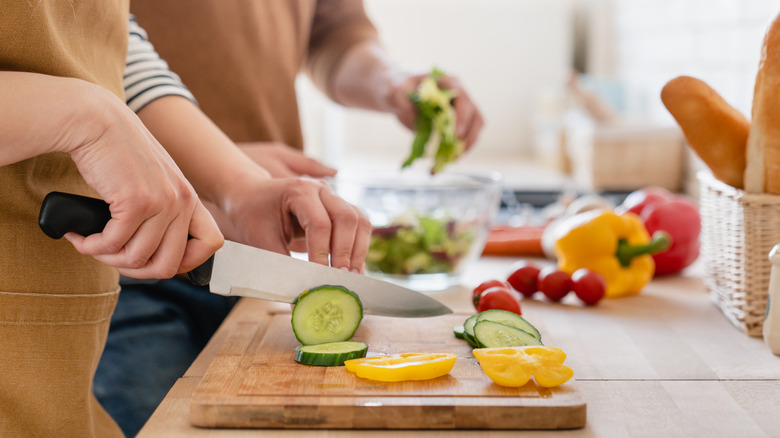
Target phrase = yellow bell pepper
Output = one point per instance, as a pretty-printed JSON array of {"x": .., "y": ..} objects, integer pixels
[
  {"x": 616, "y": 246},
  {"x": 407, "y": 366},
  {"x": 514, "y": 366}
]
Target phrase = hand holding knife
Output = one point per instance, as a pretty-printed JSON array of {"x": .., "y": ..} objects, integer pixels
[{"x": 238, "y": 269}]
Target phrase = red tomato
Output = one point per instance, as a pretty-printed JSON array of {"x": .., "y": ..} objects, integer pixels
[
  {"x": 525, "y": 278},
  {"x": 554, "y": 283},
  {"x": 499, "y": 298},
  {"x": 487, "y": 285},
  {"x": 589, "y": 286}
]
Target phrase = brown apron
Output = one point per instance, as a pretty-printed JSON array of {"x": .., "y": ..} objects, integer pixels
[
  {"x": 55, "y": 304},
  {"x": 265, "y": 44}
]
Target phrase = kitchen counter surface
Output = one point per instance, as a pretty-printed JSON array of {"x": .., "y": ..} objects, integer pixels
[{"x": 665, "y": 363}]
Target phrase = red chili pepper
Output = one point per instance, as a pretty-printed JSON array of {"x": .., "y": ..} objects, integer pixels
[{"x": 675, "y": 214}]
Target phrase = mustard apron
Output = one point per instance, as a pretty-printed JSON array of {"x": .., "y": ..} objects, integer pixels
[{"x": 55, "y": 304}]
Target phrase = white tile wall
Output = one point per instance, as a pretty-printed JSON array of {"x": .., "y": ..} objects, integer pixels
[{"x": 718, "y": 41}]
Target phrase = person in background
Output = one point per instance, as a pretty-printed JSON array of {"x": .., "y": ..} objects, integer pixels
[
  {"x": 65, "y": 127},
  {"x": 241, "y": 60}
]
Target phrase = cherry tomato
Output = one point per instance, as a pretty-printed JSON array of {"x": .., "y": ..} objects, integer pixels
[
  {"x": 486, "y": 285},
  {"x": 554, "y": 283},
  {"x": 499, "y": 298},
  {"x": 589, "y": 286},
  {"x": 525, "y": 278}
]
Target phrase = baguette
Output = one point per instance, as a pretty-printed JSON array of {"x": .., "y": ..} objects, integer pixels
[
  {"x": 762, "y": 173},
  {"x": 715, "y": 130}
]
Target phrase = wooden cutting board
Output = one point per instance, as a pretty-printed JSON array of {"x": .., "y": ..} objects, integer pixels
[{"x": 253, "y": 382}]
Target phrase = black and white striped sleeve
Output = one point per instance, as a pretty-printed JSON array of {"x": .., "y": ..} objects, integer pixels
[{"x": 147, "y": 76}]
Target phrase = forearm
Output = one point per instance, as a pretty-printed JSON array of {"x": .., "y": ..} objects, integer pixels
[
  {"x": 209, "y": 159},
  {"x": 366, "y": 76},
  {"x": 212, "y": 163},
  {"x": 41, "y": 114}
]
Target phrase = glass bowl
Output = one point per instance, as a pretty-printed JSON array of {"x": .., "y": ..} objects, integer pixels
[{"x": 427, "y": 229}]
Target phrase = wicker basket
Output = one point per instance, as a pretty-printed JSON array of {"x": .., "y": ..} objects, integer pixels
[
  {"x": 626, "y": 157},
  {"x": 738, "y": 231}
]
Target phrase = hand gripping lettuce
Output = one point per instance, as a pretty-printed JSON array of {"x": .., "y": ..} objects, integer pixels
[{"x": 435, "y": 116}]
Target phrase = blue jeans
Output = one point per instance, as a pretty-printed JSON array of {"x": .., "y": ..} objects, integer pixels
[{"x": 156, "y": 332}]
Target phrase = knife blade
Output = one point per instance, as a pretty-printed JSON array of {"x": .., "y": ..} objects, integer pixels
[
  {"x": 243, "y": 270},
  {"x": 253, "y": 272}
]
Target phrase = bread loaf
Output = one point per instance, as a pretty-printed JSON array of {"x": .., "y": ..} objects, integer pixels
[
  {"x": 715, "y": 130},
  {"x": 762, "y": 173}
]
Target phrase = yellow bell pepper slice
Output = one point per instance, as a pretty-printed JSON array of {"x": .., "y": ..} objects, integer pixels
[
  {"x": 514, "y": 366},
  {"x": 545, "y": 352},
  {"x": 406, "y": 366},
  {"x": 506, "y": 367},
  {"x": 552, "y": 374}
]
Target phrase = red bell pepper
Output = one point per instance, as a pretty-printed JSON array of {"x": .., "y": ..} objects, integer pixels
[{"x": 675, "y": 214}]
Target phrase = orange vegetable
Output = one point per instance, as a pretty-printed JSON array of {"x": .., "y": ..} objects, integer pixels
[{"x": 514, "y": 241}]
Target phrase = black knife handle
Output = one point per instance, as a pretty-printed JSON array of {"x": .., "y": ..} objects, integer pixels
[{"x": 65, "y": 212}]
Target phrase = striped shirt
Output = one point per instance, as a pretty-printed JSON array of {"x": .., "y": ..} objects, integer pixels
[{"x": 147, "y": 76}]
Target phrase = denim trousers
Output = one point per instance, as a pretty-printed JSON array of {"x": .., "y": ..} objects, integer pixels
[{"x": 156, "y": 331}]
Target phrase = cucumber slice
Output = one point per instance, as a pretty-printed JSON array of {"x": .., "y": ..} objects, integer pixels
[
  {"x": 468, "y": 330},
  {"x": 494, "y": 334},
  {"x": 509, "y": 318},
  {"x": 459, "y": 331},
  {"x": 330, "y": 354},
  {"x": 468, "y": 326},
  {"x": 326, "y": 314}
]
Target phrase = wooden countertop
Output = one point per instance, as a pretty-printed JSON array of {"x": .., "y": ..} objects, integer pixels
[{"x": 665, "y": 363}]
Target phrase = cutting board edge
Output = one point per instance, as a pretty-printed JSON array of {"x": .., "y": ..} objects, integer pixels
[{"x": 447, "y": 415}]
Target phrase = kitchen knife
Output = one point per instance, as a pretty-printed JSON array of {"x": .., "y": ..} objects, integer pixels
[{"x": 237, "y": 269}]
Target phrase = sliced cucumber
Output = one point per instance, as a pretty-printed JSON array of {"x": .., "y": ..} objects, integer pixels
[
  {"x": 468, "y": 330},
  {"x": 459, "y": 331},
  {"x": 468, "y": 326},
  {"x": 509, "y": 318},
  {"x": 326, "y": 314},
  {"x": 495, "y": 334},
  {"x": 330, "y": 354}
]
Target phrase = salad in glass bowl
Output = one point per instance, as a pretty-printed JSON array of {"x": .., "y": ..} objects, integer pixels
[{"x": 427, "y": 228}]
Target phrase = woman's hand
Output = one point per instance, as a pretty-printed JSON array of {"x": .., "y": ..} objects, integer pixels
[
  {"x": 301, "y": 207},
  {"x": 282, "y": 161},
  {"x": 252, "y": 207},
  {"x": 153, "y": 207},
  {"x": 469, "y": 121},
  {"x": 368, "y": 77}
]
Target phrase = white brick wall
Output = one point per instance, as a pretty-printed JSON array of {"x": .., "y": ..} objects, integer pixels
[
  {"x": 505, "y": 52},
  {"x": 718, "y": 41}
]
